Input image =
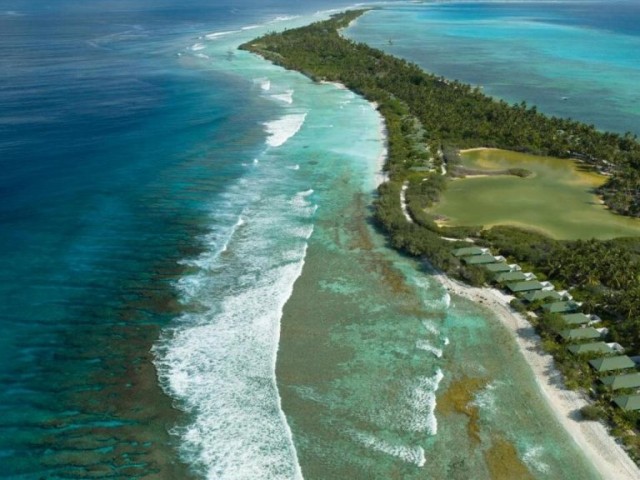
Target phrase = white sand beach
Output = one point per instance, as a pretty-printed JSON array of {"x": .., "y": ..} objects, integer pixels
[{"x": 607, "y": 456}]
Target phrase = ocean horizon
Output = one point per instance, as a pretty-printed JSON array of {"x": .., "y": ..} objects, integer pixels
[{"x": 193, "y": 287}]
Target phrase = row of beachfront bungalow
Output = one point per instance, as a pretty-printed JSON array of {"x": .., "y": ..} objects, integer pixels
[
  {"x": 509, "y": 275},
  {"x": 469, "y": 251},
  {"x": 626, "y": 380},
  {"x": 608, "y": 361},
  {"x": 581, "y": 326}
]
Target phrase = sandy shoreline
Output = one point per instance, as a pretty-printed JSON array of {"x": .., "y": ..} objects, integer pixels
[
  {"x": 607, "y": 456},
  {"x": 381, "y": 176}
]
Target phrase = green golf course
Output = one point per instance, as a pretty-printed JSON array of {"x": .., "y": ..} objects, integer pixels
[{"x": 557, "y": 199}]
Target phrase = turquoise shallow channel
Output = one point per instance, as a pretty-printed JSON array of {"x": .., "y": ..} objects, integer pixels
[{"x": 577, "y": 59}]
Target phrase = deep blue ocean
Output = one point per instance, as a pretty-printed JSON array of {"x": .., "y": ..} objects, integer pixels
[
  {"x": 116, "y": 156},
  {"x": 111, "y": 155}
]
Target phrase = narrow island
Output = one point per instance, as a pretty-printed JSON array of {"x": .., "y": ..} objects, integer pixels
[{"x": 570, "y": 295}]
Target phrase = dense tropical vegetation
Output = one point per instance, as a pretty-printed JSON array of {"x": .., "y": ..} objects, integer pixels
[{"x": 428, "y": 118}]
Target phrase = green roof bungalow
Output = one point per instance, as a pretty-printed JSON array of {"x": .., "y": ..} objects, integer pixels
[
  {"x": 497, "y": 267},
  {"x": 479, "y": 259},
  {"x": 510, "y": 277},
  {"x": 576, "y": 319},
  {"x": 528, "y": 286},
  {"x": 628, "y": 402},
  {"x": 560, "y": 307},
  {"x": 607, "y": 364},
  {"x": 537, "y": 295},
  {"x": 616, "y": 382},
  {"x": 588, "y": 333},
  {"x": 590, "y": 348},
  {"x": 466, "y": 251}
]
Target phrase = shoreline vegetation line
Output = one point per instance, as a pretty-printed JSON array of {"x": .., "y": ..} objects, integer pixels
[{"x": 428, "y": 121}]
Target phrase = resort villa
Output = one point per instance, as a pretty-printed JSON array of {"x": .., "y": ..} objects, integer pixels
[{"x": 582, "y": 337}]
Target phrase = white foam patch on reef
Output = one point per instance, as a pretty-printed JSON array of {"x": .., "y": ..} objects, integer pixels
[
  {"x": 446, "y": 300},
  {"x": 430, "y": 327},
  {"x": 216, "y": 35},
  {"x": 409, "y": 454},
  {"x": 284, "y": 18},
  {"x": 286, "y": 97},
  {"x": 427, "y": 347},
  {"x": 486, "y": 398},
  {"x": 265, "y": 83},
  {"x": 197, "y": 46},
  {"x": 422, "y": 399},
  {"x": 532, "y": 458},
  {"x": 202, "y": 55},
  {"x": 219, "y": 363},
  {"x": 281, "y": 130}
]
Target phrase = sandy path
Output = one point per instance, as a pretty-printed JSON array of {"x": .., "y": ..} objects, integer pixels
[{"x": 607, "y": 456}]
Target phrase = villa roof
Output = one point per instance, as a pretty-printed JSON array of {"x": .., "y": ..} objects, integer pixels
[
  {"x": 595, "y": 347},
  {"x": 542, "y": 295},
  {"x": 510, "y": 277},
  {"x": 616, "y": 382},
  {"x": 560, "y": 307},
  {"x": 580, "y": 334},
  {"x": 628, "y": 402},
  {"x": 575, "y": 318},
  {"x": 497, "y": 267},
  {"x": 479, "y": 259},
  {"x": 606, "y": 364},
  {"x": 527, "y": 286},
  {"x": 464, "y": 251}
]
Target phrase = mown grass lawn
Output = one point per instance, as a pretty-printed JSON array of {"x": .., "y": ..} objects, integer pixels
[{"x": 557, "y": 199}]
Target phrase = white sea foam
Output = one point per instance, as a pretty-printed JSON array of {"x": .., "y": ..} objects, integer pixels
[
  {"x": 409, "y": 454},
  {"x": 294, "y": 167},
  {"x": 430, "y": 327},
  {"x": 423, "y": 402},
  {"x": 446, "y": 299},
  {"x": 532, "y": 458},
  {"x": 427, "y": 347},
  {"x": 202, "y": 55},
  {"x": 216, "y": 35},
  {"x": 445, "y": 341},
  {"x": 284, "y": 18},
  {"x": 265, "y": 83},
  {"x": 486, "y": 398},
  {"x": 222, "y": 370},
  {"x": 197, "y": 46},
  {"x": 281, "y": 130},
  {"x": 219, "y": 363},
  {"x": 250, "y": 27},
  {"x": 286, "y": 97}
]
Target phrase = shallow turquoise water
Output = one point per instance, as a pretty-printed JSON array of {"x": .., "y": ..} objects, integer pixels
[{"x": 572, "y": 59}]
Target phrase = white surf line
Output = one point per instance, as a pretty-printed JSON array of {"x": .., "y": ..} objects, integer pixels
[
  {"x": 409, "y": 454},
  {"x": 220, "y": 362},
  {"x": 403, "y": 201},
  {"x": 281, "y": 130}
]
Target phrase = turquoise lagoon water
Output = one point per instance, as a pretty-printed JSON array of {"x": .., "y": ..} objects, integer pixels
[{"x": 578, "y": 59}]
